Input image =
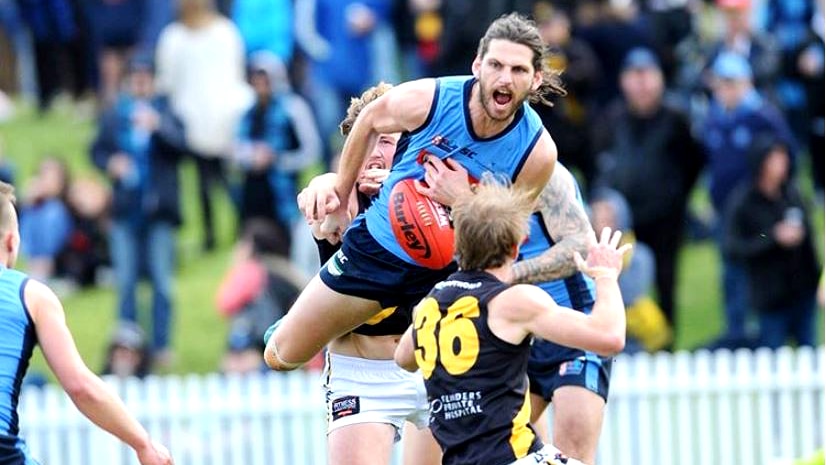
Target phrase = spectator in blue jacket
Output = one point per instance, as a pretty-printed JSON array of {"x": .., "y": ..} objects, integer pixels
[
  {"x": 118, "y": 25},
  {"x": 277, "y": 139},
  {"x": 158, "y": 14},
  {"x": 265, "y": 25},
  {"x": 138, "y": 147},
  {"x": 737, "y": 114},
  {"x": 45, "y": 218},
  {"x": 349, "y": 50}
]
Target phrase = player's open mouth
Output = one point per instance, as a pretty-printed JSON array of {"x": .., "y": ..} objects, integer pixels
[
  {"x": 502, "y": 97},
  {"x": 376, "y": 164}
]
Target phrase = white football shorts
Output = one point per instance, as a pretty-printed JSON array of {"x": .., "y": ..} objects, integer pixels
[{"x": 373, "y": 391}]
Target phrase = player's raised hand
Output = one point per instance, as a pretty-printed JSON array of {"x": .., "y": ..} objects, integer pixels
[
  {"x": 444, "y": 181},
  {"x": 333, "y": 225},
  {"x": 370, "y": 180},
  {"x": 154, "y": 454},
  {"x": 604, "y": 256},
  {"x": 319, "y": 198}
]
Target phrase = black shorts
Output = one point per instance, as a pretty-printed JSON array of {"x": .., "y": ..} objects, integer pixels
[
  {"x": 363, "y": 268},
  {"x": 13, "y": 451},
  {"x": 551, "y": 366}
]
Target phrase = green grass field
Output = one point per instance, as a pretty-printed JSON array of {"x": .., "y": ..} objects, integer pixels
[{"x": 199, "y": 333}]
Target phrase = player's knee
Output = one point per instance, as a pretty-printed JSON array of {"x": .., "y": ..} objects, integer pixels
[
  {"x": 576, "y": 438},
  {"x": 578, "y": 449},
  {"x": 274, "y": 360}
]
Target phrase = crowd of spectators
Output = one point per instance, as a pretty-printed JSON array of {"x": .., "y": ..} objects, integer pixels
[{"x": 665, "y": 98}]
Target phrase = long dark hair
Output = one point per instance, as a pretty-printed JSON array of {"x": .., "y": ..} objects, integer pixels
[{"x": 519, "y": 29}]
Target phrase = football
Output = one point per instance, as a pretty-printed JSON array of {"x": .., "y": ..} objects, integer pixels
[{"x": 421, "y": 226}]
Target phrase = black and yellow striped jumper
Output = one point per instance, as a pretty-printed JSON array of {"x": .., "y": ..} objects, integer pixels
[{"x": 476, "y": 383}]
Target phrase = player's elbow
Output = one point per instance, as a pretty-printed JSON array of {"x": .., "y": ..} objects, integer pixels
[
  {"x": 274, "y": 361},
  {"x": 407, "y": 365},
  {"x": 611, "y": 344},
  {"x": 270, "y": 359},
  {"x": 368, "y": 118},
  {"x": 405, "y": 360},
  {"x": 81, "y": 389}
]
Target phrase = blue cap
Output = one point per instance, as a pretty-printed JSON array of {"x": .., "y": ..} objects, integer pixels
[
  {"x": 640, "y": 58},
  {"x": 730, "y": 65}
]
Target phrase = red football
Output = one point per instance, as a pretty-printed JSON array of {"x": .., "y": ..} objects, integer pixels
[{"x": 421, "y": 226}]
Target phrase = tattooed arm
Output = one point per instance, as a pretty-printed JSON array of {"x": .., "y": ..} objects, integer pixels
[{"x": 568, "y": 225}]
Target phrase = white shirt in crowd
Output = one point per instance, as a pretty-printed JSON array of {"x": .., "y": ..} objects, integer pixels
[{"x": 203, "y": 72}]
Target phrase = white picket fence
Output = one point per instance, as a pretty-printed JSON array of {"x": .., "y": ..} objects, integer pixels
[{"x": 720, "y": 408}]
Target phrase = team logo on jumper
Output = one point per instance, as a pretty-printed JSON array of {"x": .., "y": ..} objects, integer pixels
[
  {"x": 344, "y": 406},
  {"x": 573, "y": 367},
  {"x": 446, "y": 145},
  {"x": 457, "y": 405},
  {"x": 335, "y": 265}
]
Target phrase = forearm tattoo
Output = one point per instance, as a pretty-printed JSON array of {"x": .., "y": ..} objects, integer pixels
[{"x": 568, "y": 225}]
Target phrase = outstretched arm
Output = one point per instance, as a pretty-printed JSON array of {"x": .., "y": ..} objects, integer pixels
[
  {"x": 89, "y": 393},
  {"x": 403, "y": 108},
  {"x": 525, "y": 309},
  {"x": 567, "y": 223},
  {"x": 603, "y": 330},
  {"x": 320, "y": 196}
]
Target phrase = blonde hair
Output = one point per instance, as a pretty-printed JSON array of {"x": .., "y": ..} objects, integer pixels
[
  {"x": 490, "y": 224},
  {"x": 7, "y": 200},
  {"x": 358, "y": 103}
]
